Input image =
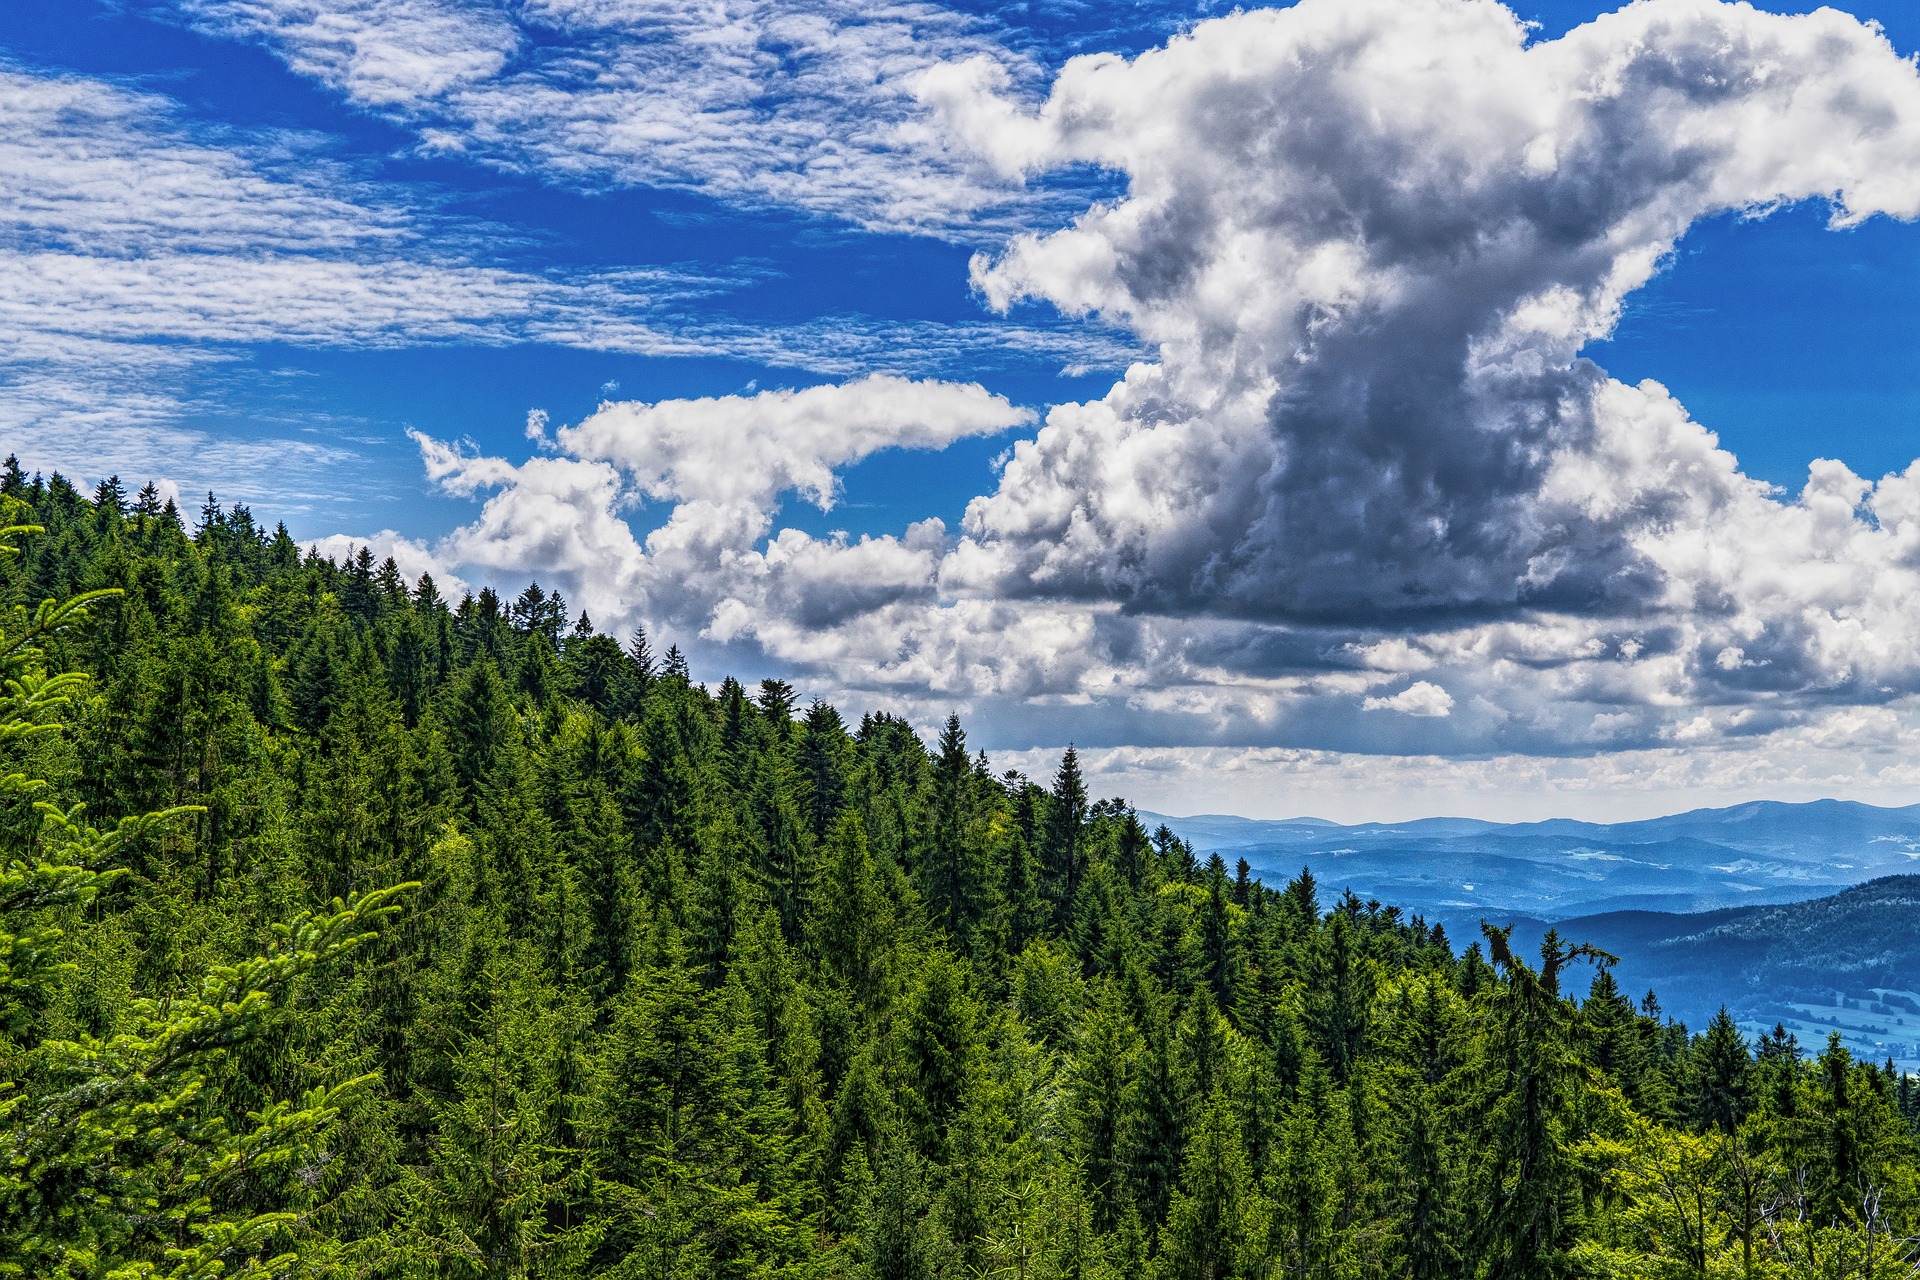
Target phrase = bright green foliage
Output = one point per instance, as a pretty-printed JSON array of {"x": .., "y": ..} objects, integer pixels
[
  {"x": 722, "y": 983},
  {"x": 1214, "y": 1224},
  {"x": 118, "y": 1159}
]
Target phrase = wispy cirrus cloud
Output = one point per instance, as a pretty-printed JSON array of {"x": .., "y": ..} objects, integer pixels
[
  {"x": 797, "y": 104},
  {"x": 137, "y": 250},
  {"x": 141, "y": 251}
]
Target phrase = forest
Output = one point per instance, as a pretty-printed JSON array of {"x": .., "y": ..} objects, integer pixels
[{"x": 351, "y": 930}]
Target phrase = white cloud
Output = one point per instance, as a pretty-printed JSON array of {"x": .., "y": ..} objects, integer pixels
[
  {"x": 1369, "y": 239},
  {"x": 795, "y": 103},
  {"x": 722, "y": 465},
  {"x": 139, "y": 253},
  {"x": 136, "y": 255},
  {"x": 747, "y": 449},
  {"x": 1421, "y": 698},
  {"x": 1365, "y": 469},
  {"x": 1286, "y": 782},
  {"x": 1368, "y": 242},
  {"x": 93, "y": 167},
  {"x": 410, "y": 556},
  {"x": 381, "y": 52}
]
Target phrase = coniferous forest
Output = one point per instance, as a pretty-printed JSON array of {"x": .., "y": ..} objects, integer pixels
[{"x": 349, "y": 930}]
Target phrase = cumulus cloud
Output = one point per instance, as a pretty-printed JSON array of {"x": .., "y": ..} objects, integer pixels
[
  {"x": 1366, "y": 468},
  {"x": 1421, "y": 698},
  {"x": 721, "y": 467},
  {"x": 744, "y": 450},
  {"x": 1369, "y": 241},
  {"x": 410, "y": 556}
]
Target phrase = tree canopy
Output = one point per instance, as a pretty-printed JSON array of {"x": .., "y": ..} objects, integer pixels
[{"x": 347, "y": 930}]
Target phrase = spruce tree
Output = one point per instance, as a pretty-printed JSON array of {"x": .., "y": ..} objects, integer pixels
[
  {"x": 1064, "y": 853},
  {"x": 1719, "y": 1087},
  {"x": 1216, "y": 1220},
  {"x": 119, "y": 1159},
  {"x": 1102, "y": 1091},
  {"x": 855, "y": 921}
]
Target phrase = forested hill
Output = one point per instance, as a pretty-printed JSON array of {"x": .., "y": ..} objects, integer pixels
[{"x": 470, "y": 942}]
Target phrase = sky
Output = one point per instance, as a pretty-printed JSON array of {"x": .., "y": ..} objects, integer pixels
[{"x": 1363, "y": 408}]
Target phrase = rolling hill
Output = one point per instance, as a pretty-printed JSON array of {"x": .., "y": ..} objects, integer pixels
[{"x": 1848, "y": 963}]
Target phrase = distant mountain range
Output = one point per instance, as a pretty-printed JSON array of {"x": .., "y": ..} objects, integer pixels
[
  {"x": 1456, "y": 867},
  {"x": 1753, "y": 906}
]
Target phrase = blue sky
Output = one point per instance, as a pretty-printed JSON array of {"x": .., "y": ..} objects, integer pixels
[
  {"x": 286, "y": 250},
  {"x": 1787, "y": 339},
  {"x": 781, "y": 268}
]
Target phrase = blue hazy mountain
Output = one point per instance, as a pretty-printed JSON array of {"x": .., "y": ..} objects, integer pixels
[
  {"x": 1849, "y": 962},
  {"x": 1797, "y": 913},
  {"x": 1453, "y": 868}
]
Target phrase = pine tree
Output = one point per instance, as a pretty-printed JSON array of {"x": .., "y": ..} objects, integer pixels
[
  {"x": 1618, "y": 1044},
  {"x": 492, "y": 1202},
  {"x": 675, "y": 667},
  {"x": 822, "y": 768},
  {"x": 146, "y": 504},
  {"x": 645, "y": 672},
  {"x": 694, "y": 1145},
  {"x": 1526, "y": 1088},
  {"x": 1064, "y": 853},
  {"x": 1155, "y": 1132},
  {"x": 939, "y": 1044},
  {"x": 359, "y": 594},
  {"x": 1341, "y": 981},
  {"x": 110, "y": 501},
  {"x": 892, "y": 1236},
  {"x": 480, "y": 726},
  {"x": 408, "y": 674},
  {"x": 1302, "y": 1185},
  {"x": 776, "y": 702},
  {"x": 1719, "y": 1093},
  {"x": 1102, "y": 1091},
  {"x": 1218, "y": 951},
  {"x": 855, "y": 917},
  {"x": 949, "y": 875},
  {"x": 1215, "y": 1221},
  {"x": 211, "y": 521},
  {"x": 118, "y": 1158}
]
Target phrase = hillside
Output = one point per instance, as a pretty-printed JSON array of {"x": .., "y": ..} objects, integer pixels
[
  {"x": 1849, "y": 962},
  {"x": 356, "y": 933}
]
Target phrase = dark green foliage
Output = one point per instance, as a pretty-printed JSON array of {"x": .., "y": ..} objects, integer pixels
[
  {"x": 710, "y": 984},
  {"x": 1720, "y": 1068}
]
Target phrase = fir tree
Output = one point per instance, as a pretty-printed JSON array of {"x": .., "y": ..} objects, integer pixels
[
  {"x": 1064, "y": 853},
  {"x": 1216, "y": 1219},
  {"x": 1721, "y": 1066}
]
